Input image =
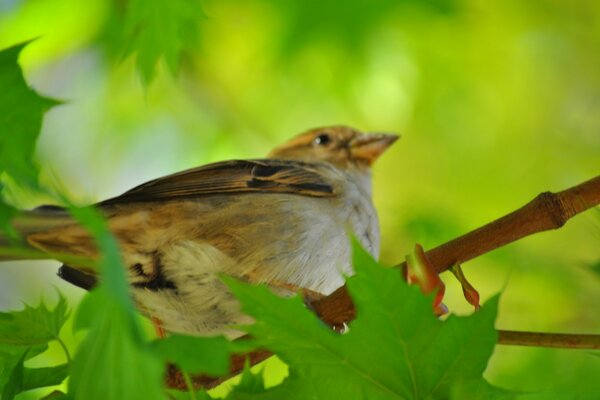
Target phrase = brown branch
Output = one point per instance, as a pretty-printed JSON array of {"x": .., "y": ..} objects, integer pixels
[
  {"x": 515, "y": 338},
  {"x": 545, "y": 212},
  {"x": 556, "y": 340},
  {"x": 176, "y": 380}
]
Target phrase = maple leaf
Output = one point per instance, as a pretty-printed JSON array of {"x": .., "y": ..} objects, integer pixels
[
  {"x": 395, "y": 349},
  {"x": 154, "y": 30},
  {"x": 21, "y": 112},
  {"x": 25, "y": 334}
]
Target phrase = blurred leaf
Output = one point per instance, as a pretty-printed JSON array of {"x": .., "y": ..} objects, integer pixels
[
  {"x": 480, "y": 390},
  {"x": 595, "y": 267},
  {"x": 184, "y": 395},
  {"x": 110, "y": 265},
  {"x": 113, "y": 361},
  {"x": 154, "y": 29},
  {"x": 349, "y": 24},
  {"x": 34, "y": 378},
  {"x": 55, "y": 395},
  {"x": 250, "y": 384},
  {"x": 196, "y": 354},
  {"x": 431, "y": 227},
  {"x": 9, "y": 351},
  {"x": 21, "y": 111},
  {"x": 395, "y": 348},
  {"x": 7, "y": 212},
  {"x": 15, "y": 379},
  {"x": 23, "y": 335},
  {"x": 33, "y": 325}
]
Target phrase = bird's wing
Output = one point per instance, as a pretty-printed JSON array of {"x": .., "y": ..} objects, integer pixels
[{"x": 237, "y": 176}]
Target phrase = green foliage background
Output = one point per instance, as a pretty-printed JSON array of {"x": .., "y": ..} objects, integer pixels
[{"x": 496, "y": 101}]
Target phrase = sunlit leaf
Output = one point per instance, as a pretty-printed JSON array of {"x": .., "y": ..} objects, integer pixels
[
  {"x": 153, "y": 30},
  {"x": 33, "y": 325},
  {"x": 395, "y": 348},
  {"x": 113, "y": 361},
  {"x": 15, "y": 378},
  {"x": 21, "y": 112},
  {"x": 349, "y": 25},
  {"x": 185, "y": 395},
  {"x": 13, "y": 374},
  {"x": 251, "y": 382},
  {"x": 249, "y": 385},
  {"x": 7, "y": 212},
  {"x": 480, "y": 390},
  {"x": 55, "y": 395},
  {"x": 23, "y": 335},
  {"x": 110, "y": 265},
  {"x": 34, "y": 378},
  {"x": 196, "y": 354}
]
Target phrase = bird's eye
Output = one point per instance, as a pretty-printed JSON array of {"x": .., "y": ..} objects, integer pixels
[{"x": 323, "y": 139}]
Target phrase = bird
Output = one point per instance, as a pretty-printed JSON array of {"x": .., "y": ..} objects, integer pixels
[{"x": 283, "y": 221}]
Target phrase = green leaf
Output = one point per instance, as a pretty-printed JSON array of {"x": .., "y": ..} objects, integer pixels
[
  {"x": 480, "y": 390},
  {"x": 55, "y": 395},
  {"x": 33, "y": 325},
  {"x": 110, "y": 265},
  {"x": 7, "y": 212},
  {"x": 113, "y": 361},
  {"x": 196, "y": 354},
  {"x": 154, "y": 29},
  {"x": 15, "y": 379},
  {"x": 12, "y": 352},
  {"x": 21, "y": 112},
  {"x": 349, "y": 26},
  {"x": 181, "y": 395},
  {"x": 24, "y": 335},
  {"x": 251, "y": 384},
  {"x": 395, "y": 349},
  {"x": 34, "y": 378}
]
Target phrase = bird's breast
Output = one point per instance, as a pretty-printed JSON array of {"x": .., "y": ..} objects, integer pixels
[{"x": 283, "y": 240}]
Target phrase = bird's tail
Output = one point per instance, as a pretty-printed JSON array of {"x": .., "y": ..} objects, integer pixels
[{"x": 26, "y": 223}]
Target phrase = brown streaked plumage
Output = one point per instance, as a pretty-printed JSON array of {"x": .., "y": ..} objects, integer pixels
[{"x": 281, "y": 221}]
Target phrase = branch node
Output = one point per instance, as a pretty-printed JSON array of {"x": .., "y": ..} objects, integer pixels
[{"x": 556, "y": 208}]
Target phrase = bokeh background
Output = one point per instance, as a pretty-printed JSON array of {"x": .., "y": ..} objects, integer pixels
[{"x": 496, "y": 101}]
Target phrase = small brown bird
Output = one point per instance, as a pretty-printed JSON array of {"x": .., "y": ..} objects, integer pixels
[{"x": 283, "y": 221}]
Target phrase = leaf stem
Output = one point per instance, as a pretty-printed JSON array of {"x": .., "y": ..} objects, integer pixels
[
  {"x": 189, "y": 384},
  {"x": 65, "y": 349}
]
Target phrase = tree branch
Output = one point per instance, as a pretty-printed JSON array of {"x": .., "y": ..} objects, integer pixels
[
  {"x": 556, "y": 340},
  {"x": 515, "y": 338},
  {"x": 545, "y": 212}
]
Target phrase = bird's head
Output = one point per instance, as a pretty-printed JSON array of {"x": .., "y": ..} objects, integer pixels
[{"x": 341, "y": 146}]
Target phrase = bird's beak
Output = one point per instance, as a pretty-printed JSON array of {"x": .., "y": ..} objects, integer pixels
[{"x": 369, "y": 146}]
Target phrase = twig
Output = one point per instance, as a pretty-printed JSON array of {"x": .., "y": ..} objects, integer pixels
[
  {"x": 556, "y": 340},
  {"x": 175, "y": 379},
  {"x": 545, "y": 212}
]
